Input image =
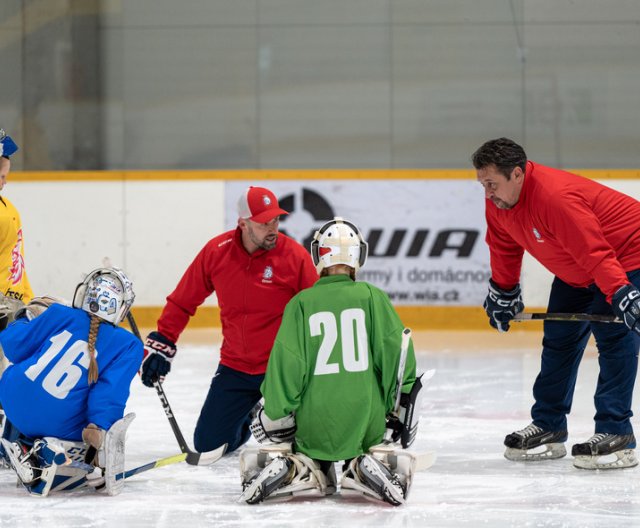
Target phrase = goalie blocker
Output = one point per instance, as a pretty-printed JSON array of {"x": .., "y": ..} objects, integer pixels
[{"x": 403, "y": 426}]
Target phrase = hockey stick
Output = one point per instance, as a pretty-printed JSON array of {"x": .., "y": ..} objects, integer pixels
[
  {"x": 521, "y": 317},
  {"x": 152, "y": 465},
  {"x": 402, "y": 364},
  {"x": 193, "y": 458},
  {"x": 404, "y": 348}
]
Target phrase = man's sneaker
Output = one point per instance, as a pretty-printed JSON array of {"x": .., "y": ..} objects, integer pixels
[
  {"x": 605, "y": 451},
  {"x": 534, "y": 443},
  {"x": 276, "y": 474}
]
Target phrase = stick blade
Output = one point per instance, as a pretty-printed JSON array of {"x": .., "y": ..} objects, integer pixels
[{"x": 207, "y": 458}]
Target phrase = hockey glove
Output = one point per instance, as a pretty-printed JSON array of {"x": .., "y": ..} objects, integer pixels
[
  {"x": 36, "y": 306},
  {"x": 502, "y": 306},
  {"x": 158, "y": 355},
  {"x": 402, "y": 426},
  {"x": 8, "y": 308},
  {"x": 281, "y": 430},
  {"x": 94, "y": 436},
  {"x": 626, "y": 306}
]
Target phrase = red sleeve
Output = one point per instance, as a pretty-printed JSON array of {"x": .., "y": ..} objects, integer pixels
[
  {"x": 576, "y": 227},
  {"x": 506, "y": 254},
  {"x": 192, "y": 290}
]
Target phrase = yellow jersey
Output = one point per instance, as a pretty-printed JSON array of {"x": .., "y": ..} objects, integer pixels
[{"x": 13, "y": 276}]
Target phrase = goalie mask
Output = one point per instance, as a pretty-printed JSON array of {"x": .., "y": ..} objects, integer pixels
[
  {"x": 338, "y": 242},
  {"x": 106, "y": 293}
]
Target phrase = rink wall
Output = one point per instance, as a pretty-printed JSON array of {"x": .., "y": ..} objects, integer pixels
[{"x": 425, "y": 229}]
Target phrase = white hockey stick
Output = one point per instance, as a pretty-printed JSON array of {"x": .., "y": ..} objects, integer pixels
[{"x": 402, "y": 364}]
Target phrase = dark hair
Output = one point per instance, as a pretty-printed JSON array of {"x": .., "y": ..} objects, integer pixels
[{"x": 504, "y": 153}]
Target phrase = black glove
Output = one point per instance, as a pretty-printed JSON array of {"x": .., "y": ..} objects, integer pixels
[
  {"x": 502, "y": 306},
  {"x": 158, "y": 355},
  {"x": 626, "y": 306}
]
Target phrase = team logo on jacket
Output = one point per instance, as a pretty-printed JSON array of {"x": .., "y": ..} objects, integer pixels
[
  {"x": 267, "y": 274},
  {"x": 16, "y": 271},
  {"x": 538, "y": 236}
]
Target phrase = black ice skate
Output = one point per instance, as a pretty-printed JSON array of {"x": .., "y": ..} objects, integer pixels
[
  {"x": 605, "y": 451},
  {"x": 533, "y": 443},
  {"x": 276, "y": 474},
  {"x": 375, "y": 475}
]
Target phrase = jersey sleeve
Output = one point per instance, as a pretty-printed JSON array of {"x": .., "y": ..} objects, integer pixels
[
  {"x": 108, "y": 396},
  {"x": 20, "y": 339},
  {"x": 574, "y": 224},
  {"x": 505, "y": 253},
  {"x": 194, "y": 287},
  {"x": 286, "y": 374},
  {"x": 386, "y": 339}
]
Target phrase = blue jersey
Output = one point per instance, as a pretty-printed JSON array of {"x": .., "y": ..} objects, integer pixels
[{"x": 46, "y": 391}]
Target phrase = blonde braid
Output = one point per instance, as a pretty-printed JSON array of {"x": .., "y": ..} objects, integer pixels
[{"x": 93, "y": 335}]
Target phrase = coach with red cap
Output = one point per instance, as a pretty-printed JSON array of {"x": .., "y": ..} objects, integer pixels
[{"x": 254, "y": 271}]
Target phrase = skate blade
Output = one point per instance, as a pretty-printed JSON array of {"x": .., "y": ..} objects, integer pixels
[
  {"x": 542, "y": 452},
  {"x": 625, "y": 458}
]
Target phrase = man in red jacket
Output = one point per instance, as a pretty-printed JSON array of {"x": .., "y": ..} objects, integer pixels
[
  {"x": 254, "y": 271},
  {"x": 588, "y": 236}
]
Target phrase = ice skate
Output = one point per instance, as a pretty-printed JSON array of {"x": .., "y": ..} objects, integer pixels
[
  {"x": 605, "y": 451},
  {"x": 368, "y": 476},
  {"x": 533, "y": 443},
  {"x": 277, "y": 473}
]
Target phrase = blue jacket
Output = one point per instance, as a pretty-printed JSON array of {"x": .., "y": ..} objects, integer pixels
[{"x": 46, "y": 392}]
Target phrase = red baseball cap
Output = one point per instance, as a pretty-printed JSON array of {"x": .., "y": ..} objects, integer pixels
[{"x": 259, "y": 205}]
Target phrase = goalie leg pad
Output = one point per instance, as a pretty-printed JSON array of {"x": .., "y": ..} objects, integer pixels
[
  {"x": 37, "y": 465},
  {"x": 263, "y": 479},
  {"x": 383, "y": 474},
  {"x": 278, "y": 471}
]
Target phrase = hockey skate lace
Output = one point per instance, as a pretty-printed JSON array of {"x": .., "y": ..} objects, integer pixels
[
  {"x": 598, "y": 437},
  {"x": 529, "y": 430}
]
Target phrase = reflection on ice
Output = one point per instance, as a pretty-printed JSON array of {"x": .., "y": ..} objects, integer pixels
[{"x": 476, "y": 397}]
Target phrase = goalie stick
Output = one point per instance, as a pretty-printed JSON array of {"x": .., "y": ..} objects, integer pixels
[
  {"x": 402, "y": 363},
  {"x": 571, "y": 317},
  {"x": 193, "y": 458}
]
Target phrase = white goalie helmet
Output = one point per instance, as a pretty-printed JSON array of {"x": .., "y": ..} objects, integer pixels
[
  {"x": 106, "y": 293},
  {"x": 338, "y": 242}
]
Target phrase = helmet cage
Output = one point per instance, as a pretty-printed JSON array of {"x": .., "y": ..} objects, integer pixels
[
  {"x": 106, "y": 293},
  {"x": 341, "y": 252}
]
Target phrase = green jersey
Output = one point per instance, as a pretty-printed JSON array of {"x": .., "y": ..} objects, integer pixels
[{"x": 334, "y": 364}]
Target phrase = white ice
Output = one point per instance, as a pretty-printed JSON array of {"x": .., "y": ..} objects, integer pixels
[{"x": 480, "y": 392}]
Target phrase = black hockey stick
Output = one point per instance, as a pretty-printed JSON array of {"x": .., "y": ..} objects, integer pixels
[
  {"x": 521, "y": 317},
  {"x": 193, "y": 457}
]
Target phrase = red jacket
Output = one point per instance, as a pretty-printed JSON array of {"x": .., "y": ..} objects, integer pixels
[
  {"x": 580, "y": 230},
  {"x": 252, "y": 292}
]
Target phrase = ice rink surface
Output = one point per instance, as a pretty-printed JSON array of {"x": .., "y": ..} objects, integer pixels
[{"x": 480, "y": 392}]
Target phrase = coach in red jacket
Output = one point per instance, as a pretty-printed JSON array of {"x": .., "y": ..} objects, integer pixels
[
  {"x": 254, "y": 271},
  {"x": 588, "y": 236}
]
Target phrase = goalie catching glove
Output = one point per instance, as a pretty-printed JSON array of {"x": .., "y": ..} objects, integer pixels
[
  {"x": 159, "y": 352},
  {"x": 36, "y": 306},
  {"x": 281, "y": 430}
]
